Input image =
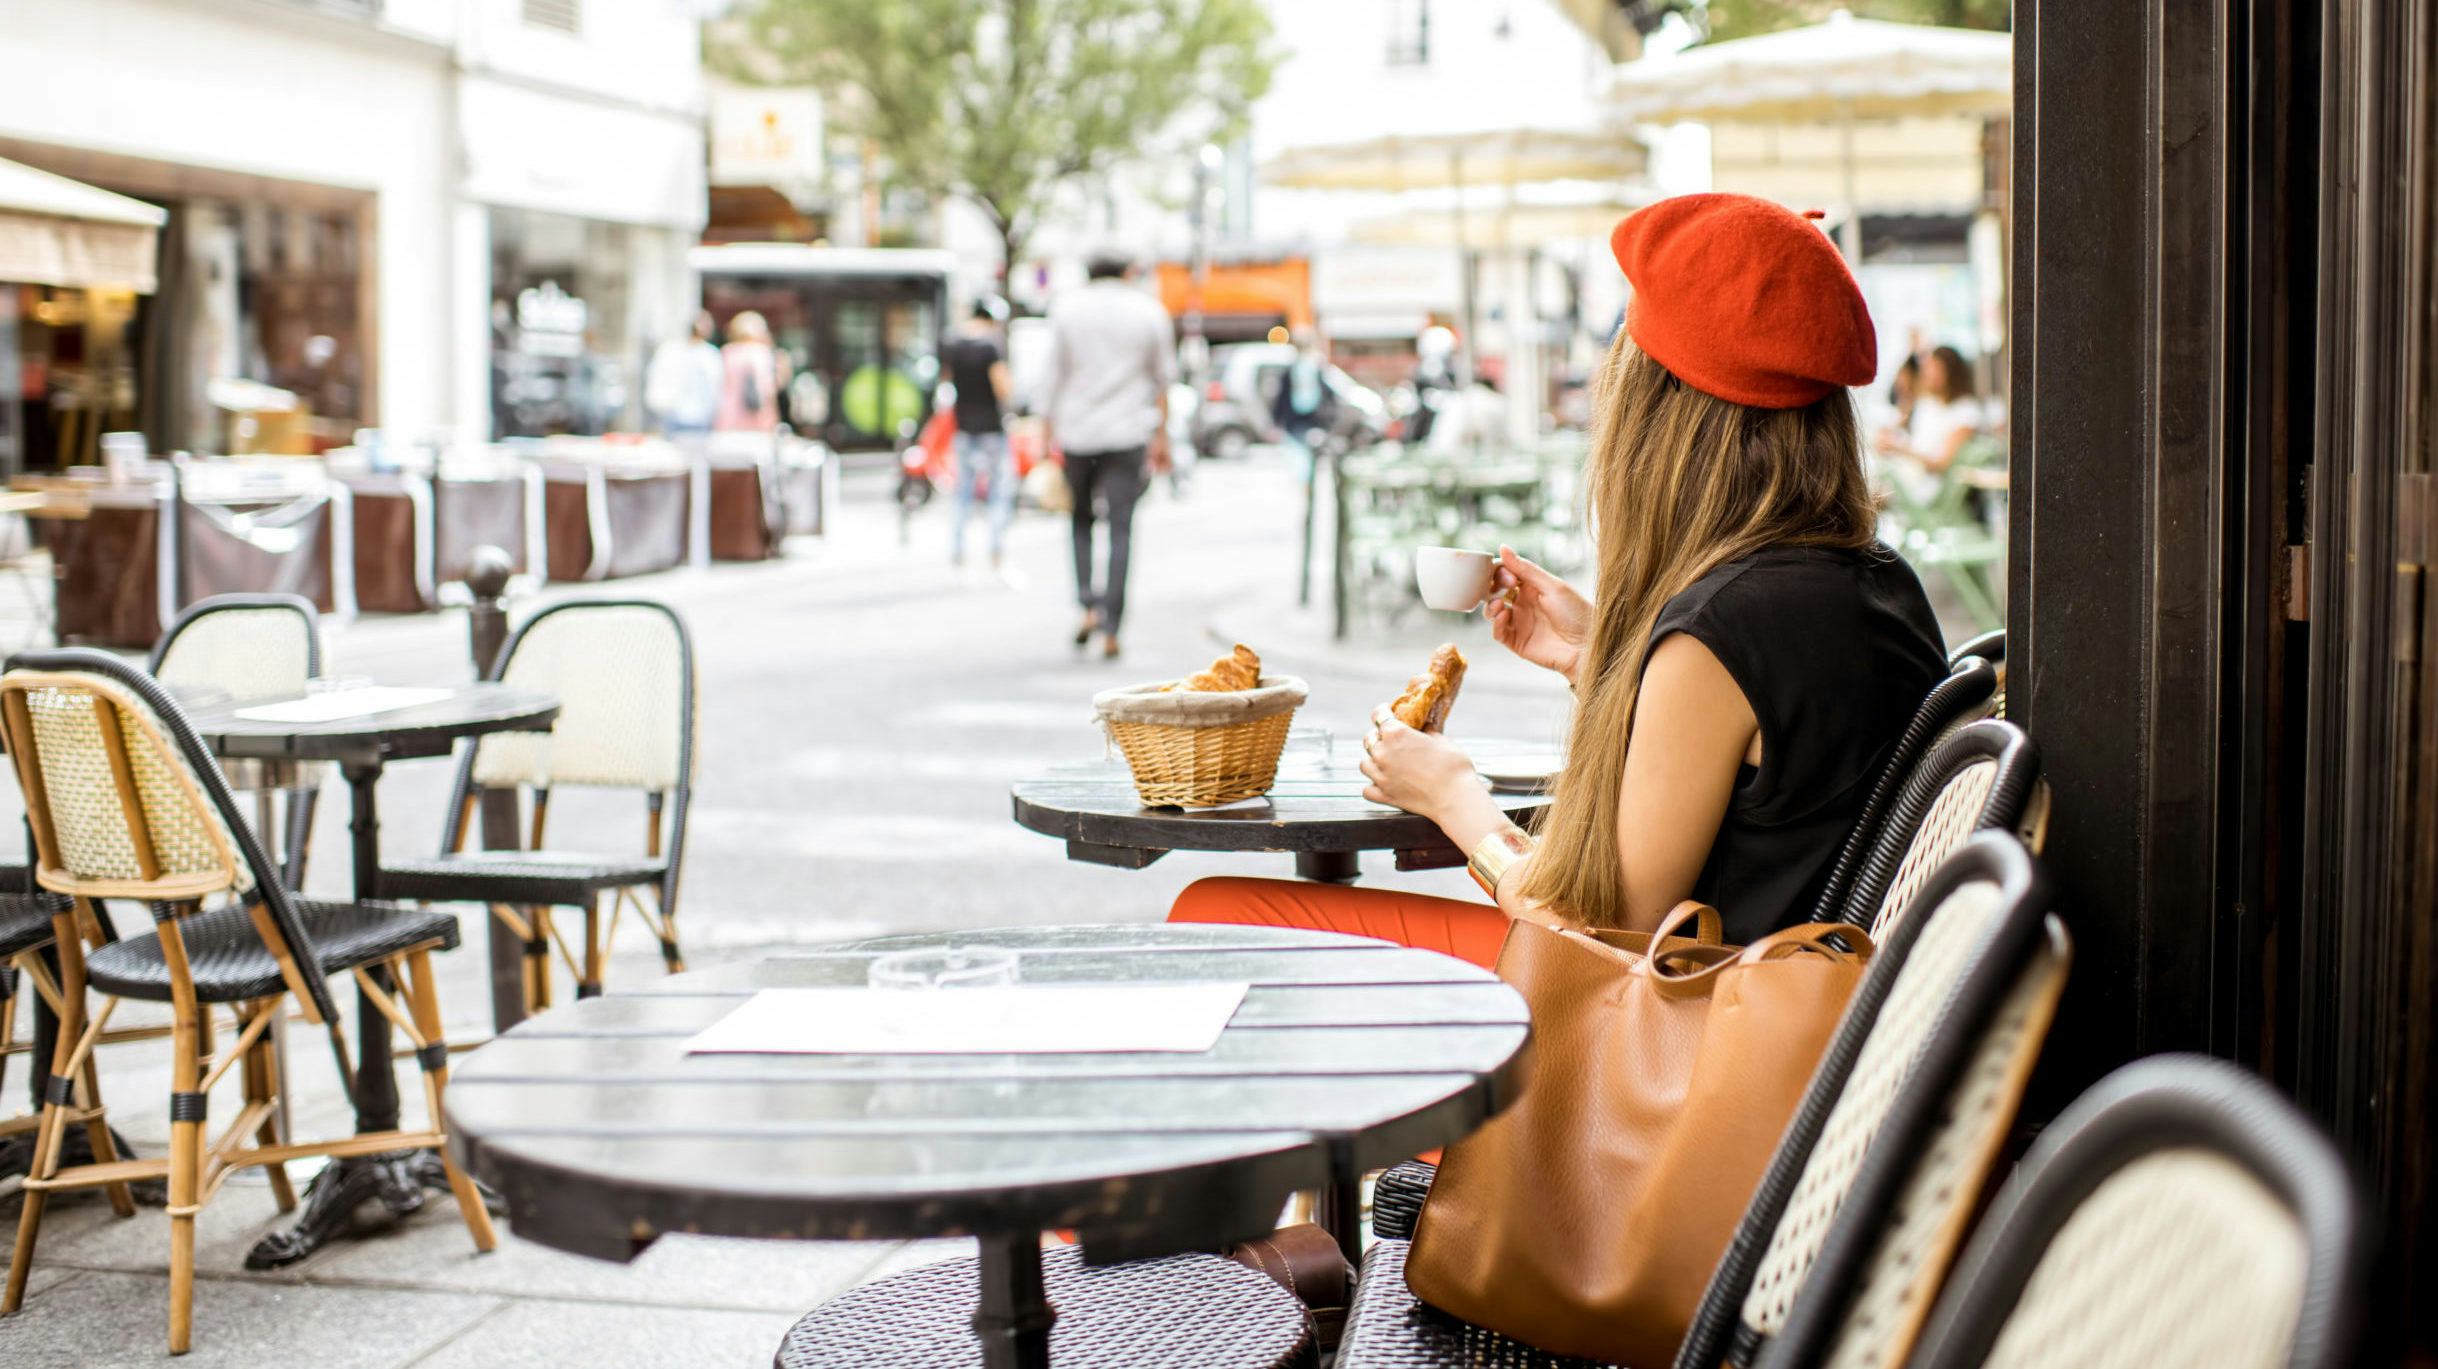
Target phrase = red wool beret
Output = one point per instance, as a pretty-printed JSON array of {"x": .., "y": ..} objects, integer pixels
[{"x": 1744, "y": 299}]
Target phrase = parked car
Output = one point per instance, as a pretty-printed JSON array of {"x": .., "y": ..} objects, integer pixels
[{"x": 1236, "y": 401}]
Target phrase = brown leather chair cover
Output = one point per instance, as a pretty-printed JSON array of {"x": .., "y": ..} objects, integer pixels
[
  {"x": 107, "y": 576},
  {"x": 745, "y": 522},
  {"x": 386, "y": 581},
  {"x": 215, "y": 560},
  {"x": 474, "y": 513},
  {"x": 647, "y": 525}
]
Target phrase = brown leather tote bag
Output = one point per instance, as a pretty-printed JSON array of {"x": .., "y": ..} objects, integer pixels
[{"x": 1586, "y": 1218}]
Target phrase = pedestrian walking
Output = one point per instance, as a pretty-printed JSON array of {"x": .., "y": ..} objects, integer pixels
[
  {"x": 1112, "y": 359},
  {"x": 681, "y": 388},
  {"x": 1303, "y": 408},
  {"x": 977, "y": 367},
  {"x": 752, "y": 373}
]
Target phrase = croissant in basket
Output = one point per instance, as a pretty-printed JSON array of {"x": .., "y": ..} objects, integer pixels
[
  {"x": 1240, "y": 669},
  {"x": 1427, "y": 698}
]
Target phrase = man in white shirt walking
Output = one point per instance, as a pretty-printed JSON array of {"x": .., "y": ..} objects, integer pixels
[{"x": 1112, "y": 359}]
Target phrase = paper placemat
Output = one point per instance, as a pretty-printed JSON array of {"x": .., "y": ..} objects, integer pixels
[
  {"x": 345, "y": 703},
  {"x": 1019, "y": 1019}
]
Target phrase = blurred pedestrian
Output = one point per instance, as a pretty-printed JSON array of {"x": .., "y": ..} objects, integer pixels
[
  {"x": 1112, "y": 359},
  {"x": 1303, "y": 408},
  {"x": 977, "y": 367},
  {"x": 681, "y": 388},
  {"x": 752, "y": 372},
  {"x": 1946, "y": 415}
]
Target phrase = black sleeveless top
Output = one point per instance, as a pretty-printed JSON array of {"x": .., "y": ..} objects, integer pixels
[{"x": 1834, "y": 651}]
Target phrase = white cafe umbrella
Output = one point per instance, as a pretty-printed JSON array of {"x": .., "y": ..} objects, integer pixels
[
  {"x": 1837, "y": 71},
  {"x": 55, "y": 231},
  {"x": 1508, "y": 157}
]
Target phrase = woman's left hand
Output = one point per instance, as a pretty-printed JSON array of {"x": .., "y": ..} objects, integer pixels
[{"x": 1420, "y": 772}]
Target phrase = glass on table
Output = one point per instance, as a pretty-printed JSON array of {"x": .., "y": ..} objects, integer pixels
[
  {"x": 955, "y": 967},
  {"x": 337, "y": 684},
  {"x": 1307, "y": 750}
]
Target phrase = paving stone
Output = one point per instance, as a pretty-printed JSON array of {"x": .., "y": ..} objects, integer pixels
[
  {"x": 101, "y": 1320},
  {"x": 683, "y": 1271},
  {"x": 575, "y": 1333}
]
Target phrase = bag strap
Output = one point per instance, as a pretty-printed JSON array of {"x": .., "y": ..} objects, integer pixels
[
  {"x": 1707, "y": 926},
  {"x": 1837, "y": 940},
  {"x": 1705, "y": 955}
]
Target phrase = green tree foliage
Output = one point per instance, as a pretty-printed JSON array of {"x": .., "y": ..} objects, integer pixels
[
  {"x": 1744, "y": 18},
  {"x": 1000, "y": 101}
]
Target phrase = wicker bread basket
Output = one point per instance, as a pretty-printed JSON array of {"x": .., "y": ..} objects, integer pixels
[{"x": 1190, "y": 749}]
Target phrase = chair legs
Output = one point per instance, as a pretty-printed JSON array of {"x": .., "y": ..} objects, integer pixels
[
  {"x": 262, "y": 1086},
  {"x": 190, "y": 1042},
  {"x": 63, "y": 1103},
  {"x": 534, "y": 925},
  {"x": 588, "y": 984},
  {"x": 424, "y": 1003}
]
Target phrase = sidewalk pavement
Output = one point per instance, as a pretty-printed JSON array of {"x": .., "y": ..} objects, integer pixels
[{"x": 865, "y": 708}]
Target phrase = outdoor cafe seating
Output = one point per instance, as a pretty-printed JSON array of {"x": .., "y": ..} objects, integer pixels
[
  {"x": 628, "y": 727},
  {"x": 125, "y": 802}
]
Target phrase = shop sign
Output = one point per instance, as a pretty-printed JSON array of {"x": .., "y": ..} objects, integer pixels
[
  {"x": 549, "y": 321},
  {"x": 765, "y": 135}
]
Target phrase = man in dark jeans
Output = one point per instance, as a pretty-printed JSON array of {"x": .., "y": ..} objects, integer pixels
[{"x": 1111, "y": 363}]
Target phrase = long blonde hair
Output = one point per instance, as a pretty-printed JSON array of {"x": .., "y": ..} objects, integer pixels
[{"x": 1680, "y": 482}]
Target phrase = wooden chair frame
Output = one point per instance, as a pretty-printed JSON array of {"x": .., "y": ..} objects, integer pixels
[
  {"x": 195, "y": 1167},
  {"x": 664, "y": 831}
]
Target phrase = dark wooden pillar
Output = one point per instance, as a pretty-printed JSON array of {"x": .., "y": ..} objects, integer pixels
[{"x": 2128, "y": 425}]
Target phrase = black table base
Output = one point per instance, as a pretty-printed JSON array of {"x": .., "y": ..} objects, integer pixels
[
  {"x": 400, "y": 1179},
  {"x": 403, "y": 1180},
  {"x": 1015, "y": 1318}
]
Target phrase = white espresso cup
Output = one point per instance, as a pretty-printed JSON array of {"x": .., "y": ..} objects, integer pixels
[{"x": 1454, "y": 580}]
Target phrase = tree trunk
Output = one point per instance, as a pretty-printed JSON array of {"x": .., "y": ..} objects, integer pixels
[{"x": 1011, "y": 249}]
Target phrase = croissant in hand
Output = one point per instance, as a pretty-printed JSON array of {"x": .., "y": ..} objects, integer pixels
[{"x": 1429, "y": 696}]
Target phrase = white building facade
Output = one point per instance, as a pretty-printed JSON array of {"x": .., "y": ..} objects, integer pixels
[{"x": 459, "y": 217}]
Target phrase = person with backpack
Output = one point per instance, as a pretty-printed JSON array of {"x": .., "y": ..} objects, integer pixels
[{"x": 752, "y": 372}]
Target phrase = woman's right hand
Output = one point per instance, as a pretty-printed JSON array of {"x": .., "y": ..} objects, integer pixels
[{"x": 1538, "y": 616}]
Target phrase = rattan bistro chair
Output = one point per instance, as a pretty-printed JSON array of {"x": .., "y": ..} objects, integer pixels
[
  {"x": 126, "y": 802},
  {"x": 250, "y": 647},
  {"x": 1970, "y": 975},
  {"x": 623, "y": 670},
  {"x": 30, "y": 921},
  {"x": 1985, "y": 776},
  {"x": 2180, "y": 1215}
]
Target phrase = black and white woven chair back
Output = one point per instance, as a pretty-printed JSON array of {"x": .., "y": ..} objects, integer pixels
[
  {"x": 1985, "y": 777},
  {"x": 1934, "y": 990},
  {"x": 1882, "y": 1258},
  {"x": 623, "y": 670},
  {"x": 248, "y": 646},
  {"x": 87, "y": 728},
  {"x": 1990, "y": 646},
  {"x": 2181, "y": 1215},
  {"x": 1961, "y": 698}
]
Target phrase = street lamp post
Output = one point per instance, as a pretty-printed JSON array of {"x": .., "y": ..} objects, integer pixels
[{"x": 1196, "y": 342}]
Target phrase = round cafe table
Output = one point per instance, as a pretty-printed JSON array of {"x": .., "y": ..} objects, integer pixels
[
  {"x": 1316, "y": 812},
  {"x": 602, "y": 1133},
  {"x": 361, "y": 746}
]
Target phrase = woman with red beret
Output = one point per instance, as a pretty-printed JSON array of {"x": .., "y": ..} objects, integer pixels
[{"x": 1753, "y": 652}]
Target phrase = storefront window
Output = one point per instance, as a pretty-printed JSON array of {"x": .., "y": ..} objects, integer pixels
[{"x": 562, "y": 349}]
